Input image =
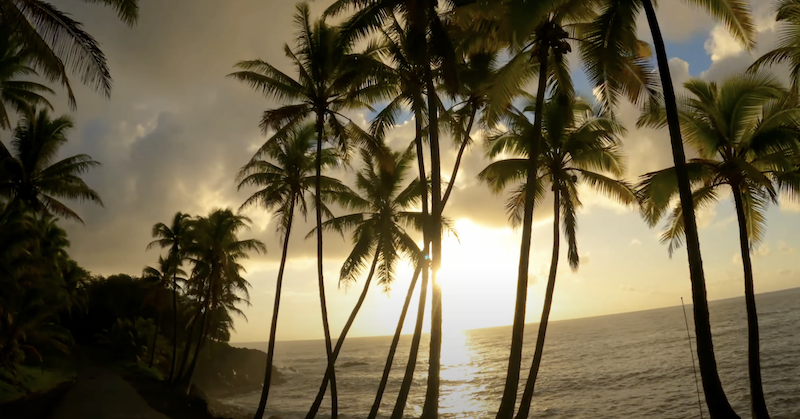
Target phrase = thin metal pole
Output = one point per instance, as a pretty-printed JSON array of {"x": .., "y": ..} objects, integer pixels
[{"x": 691, "y": 351}]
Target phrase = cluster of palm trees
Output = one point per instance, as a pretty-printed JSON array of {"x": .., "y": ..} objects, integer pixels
[
  {"x": 213, "y": 288},
  {"x": 38, "y": 278},
  {"x": 459, "y": 66}
]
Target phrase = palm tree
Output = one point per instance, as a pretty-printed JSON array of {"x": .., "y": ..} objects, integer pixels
[
  {"x": 331, "y": 78},
  {"x": 746, "y": 132},
  {"x": 605, "y": 63},
  {"x": 55, "y": 41},
  {"x": 160, "y": 279},
  {"x": 33, "y": 253},
  {"x": 285, "y": 179},
  {"x": 405, "y": 75},
  {"x": 173, "y": 237},
  {"x": 215, "y": 252},
  {"x": 537, "y": 35},
  {"x": 17, "y": 94},
  {"x": 378, "y": 231},
  {"x": 788, "y": 47},
  {"x": 31, "y": 178},
  {"x": 435, "y": 56},
  {"x": 577, "y": 144}
]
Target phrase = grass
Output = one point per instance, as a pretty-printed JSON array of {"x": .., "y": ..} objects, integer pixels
[{"x": 34, "y": 379}]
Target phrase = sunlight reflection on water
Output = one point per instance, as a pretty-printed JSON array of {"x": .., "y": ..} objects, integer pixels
[{"x": 460, "y": 366}]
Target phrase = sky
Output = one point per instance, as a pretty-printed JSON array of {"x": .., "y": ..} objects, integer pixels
[{"x": 176, "y": 130}]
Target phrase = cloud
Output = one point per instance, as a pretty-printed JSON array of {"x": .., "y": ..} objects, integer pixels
[
  {"x": 721, "y": 44},
  {"x": 785, "y": 248},
  {"x": 762, "y": 250}
]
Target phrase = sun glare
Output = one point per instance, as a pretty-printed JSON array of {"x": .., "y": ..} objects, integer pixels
[{"x": 478, "y": 277}]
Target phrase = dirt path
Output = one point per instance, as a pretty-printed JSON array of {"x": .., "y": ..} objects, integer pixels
[{"x": 100, "y": 393}]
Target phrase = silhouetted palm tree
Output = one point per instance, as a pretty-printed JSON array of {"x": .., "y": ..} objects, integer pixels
[
  {"x": 287, "y": 177},
  {"x": 174, "y": 238},
  {"x": 405, "y": 75},
  {"x": 433, "y": 52},
  {"x": 579, "y": 147},
  {"x": 31, "y": 178},
  {"x": 331, "y": 78},
  {"x": 33, "y": 259},
  {"x": 746, "y": 132},
  {"x": 378, "y": 230},
  {"x": 20, "y": 95},
  {"x": 215, "y": 252},
  {"x": 159, "y": 280},
  {"x": 55, "y": 41},
  {"x": 605, "y": 64}
]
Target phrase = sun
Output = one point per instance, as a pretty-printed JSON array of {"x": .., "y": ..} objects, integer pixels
[{"x": 478, "y": 277}]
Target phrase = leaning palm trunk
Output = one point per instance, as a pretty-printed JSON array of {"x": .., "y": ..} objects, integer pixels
[
  {"x": 174, "y": 326},
  {"x": 527, "y": 395},
  {"x": 187, "y": 347},
  {"x": 718, "y": 406},
  {"x": 321, "y": 280},
  {"x": 405, "y": 386},
  {"x": 509, "y": 399},
  {"x": 430, "y": 410},
  {"x": 200, "y": 341},
  {"x": 262, "y": 403},
  {"x": 758, "y": 404},
  {"x": 408, "y": 378},
  {"x": 376, "y": 405},
  {"x": 155, "y": 340},
  {"x": 339, "y": 342}
]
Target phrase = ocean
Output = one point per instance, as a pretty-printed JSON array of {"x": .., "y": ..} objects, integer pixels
[{"x": 632, "y": 365}]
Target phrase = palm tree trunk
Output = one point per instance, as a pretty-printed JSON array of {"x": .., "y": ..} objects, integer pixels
[
  {"x": 339, "y": 342},
  {"x": 408, "y": 378},
  {"x": 174, "y": 326},
  {"x": 509, "y": 399},
  {"x": 430, "y": 410},
  {"x": 155, "y": 340},
  {"x": 405, "y": 386},
  {"x": 459, "y": 156},
  {"x": 186, "y": 349},
  {"x": 530, "y": 384},
  {"x": 322, "y": 304},
  {"x": 203, "y": 335},
  {"x": 718, "y": 406},
  {"x": 758, "y": 404},
  {"x": 376, "y": 405},
  {"x": 262, "y": 403}
]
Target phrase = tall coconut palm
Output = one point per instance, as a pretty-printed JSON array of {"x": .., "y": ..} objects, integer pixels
[
  {"x": 433, "y": 52},
  {"x": 378, "y": 231},
  {"x": 580, "y": 148},
  {"x": 746, "y": 133},
  {"x": 537, "y": 35},
  {"x": 331, "y": 78},
  {"x": 604, "y": 62},
  {"x": 174, "y": 238},
  {"x": 55, "y": 41},
  {"x": 31, "y": 178},
  {"x": 285, "y": 179},
  {"x": 215, "y": 252},
  {"x": 405, "y": 75},
  {"x": 19, "y": 95},
  {"x": 160, "y": 279}
]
